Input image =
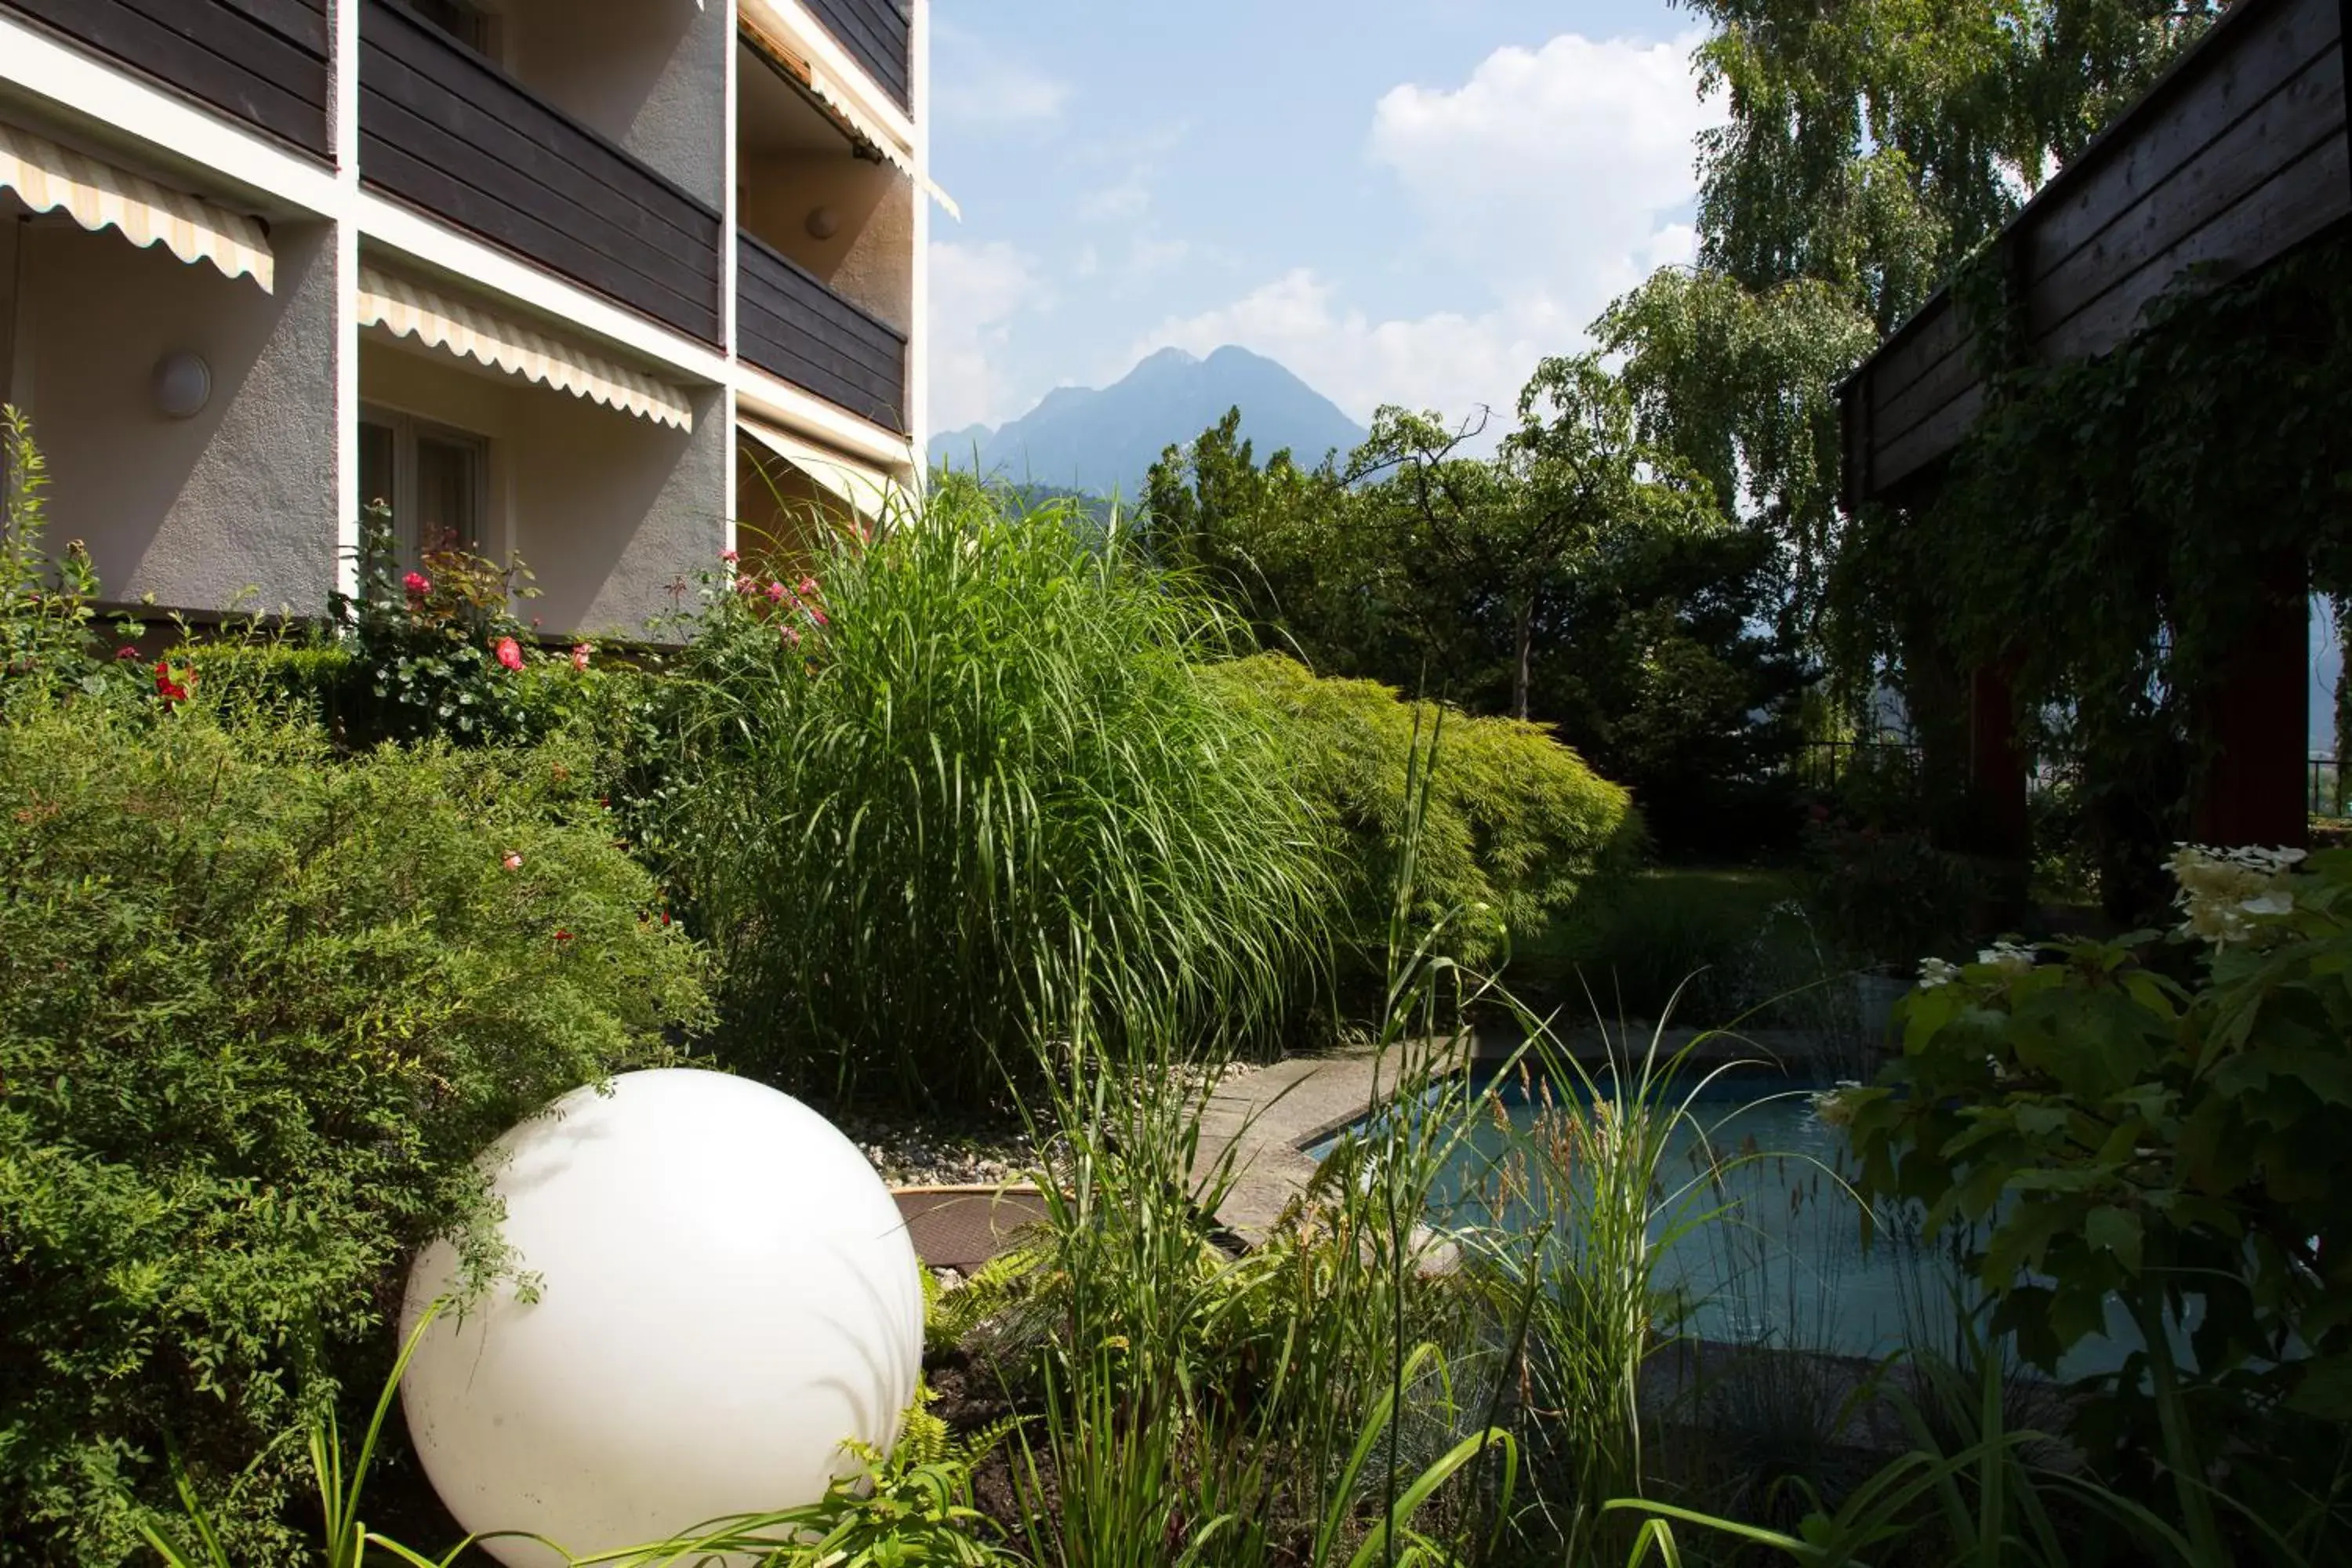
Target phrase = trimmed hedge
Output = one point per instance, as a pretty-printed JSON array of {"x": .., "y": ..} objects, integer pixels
[{"x": 1516, "y": 821}]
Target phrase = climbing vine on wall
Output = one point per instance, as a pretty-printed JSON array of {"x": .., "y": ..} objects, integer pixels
[{"x": 2111, "y": 527}]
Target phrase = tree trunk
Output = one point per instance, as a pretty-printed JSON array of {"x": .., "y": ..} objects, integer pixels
[{"x": 1520, "y": 671}]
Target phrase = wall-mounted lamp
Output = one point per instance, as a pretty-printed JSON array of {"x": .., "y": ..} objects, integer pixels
[
  {"x": 823, "y": 223},
  {"x": 184, "y": 385}
]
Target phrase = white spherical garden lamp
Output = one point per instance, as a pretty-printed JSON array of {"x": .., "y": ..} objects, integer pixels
[{"x": 724, "y": 1292}]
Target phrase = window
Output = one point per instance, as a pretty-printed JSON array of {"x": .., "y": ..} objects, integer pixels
[
  {"x": 434, "y": 480},
  {"x": 469, "y": 25}
]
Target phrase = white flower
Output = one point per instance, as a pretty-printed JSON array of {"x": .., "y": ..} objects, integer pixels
[
  {"x": 1834, "y": 1107},
  {"x": 2221, "y": 887},
  {"x": 1934, "y": 972},
  {"x": 2007, "y": 957}
]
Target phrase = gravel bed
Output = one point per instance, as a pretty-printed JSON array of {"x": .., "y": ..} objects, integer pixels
[{"x": 914, "y": 1151}]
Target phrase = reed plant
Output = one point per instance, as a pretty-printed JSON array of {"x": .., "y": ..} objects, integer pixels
[
  {"x": 961, "y": 772},
  {"x": 1324, "y": 1397}
]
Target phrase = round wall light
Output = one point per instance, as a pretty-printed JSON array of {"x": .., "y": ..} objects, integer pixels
[
  {"x": 184, "y": 385},
  {"x": 823, "y": 223}
]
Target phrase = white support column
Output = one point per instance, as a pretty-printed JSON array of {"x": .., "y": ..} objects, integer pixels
[
  {"x": 919, "y": 314},
  {"x": 343, "y": 108},
  {"x": 730, "y": 252}
]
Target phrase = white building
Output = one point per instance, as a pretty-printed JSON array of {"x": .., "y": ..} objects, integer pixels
[{"x": 594, "y": 282}]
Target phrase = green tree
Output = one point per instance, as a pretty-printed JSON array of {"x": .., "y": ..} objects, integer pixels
[
  {"x": 1258, "y": 536},
  {"x": 1739, "y": 385},
  {"x": 1873, "y": 144}
]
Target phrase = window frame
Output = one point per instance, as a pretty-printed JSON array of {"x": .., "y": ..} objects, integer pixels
[{"x": 406, "y": 429}]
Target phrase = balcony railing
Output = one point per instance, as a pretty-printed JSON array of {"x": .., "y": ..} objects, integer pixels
[
  {"x": 791, "y": 325},
  {"x": 445, "y": 130},
  {"x": 878, "y": 36},
  {"x": 264, "y": 61}
]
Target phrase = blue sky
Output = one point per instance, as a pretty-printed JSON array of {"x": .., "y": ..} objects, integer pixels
[{"x": 1404, "y": 201}]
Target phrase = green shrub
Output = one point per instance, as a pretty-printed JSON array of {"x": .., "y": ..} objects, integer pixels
[
  {"x": 1516, "y": 821},
  {"x": 973, "y": 776},
  {"x": 258, "y": 1010},
  {"x": 1635, "y": 942},
  {"x": 2106, "y": 1134}
]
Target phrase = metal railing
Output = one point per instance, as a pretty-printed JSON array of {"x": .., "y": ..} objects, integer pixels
[
  {"x": 1820, "y": 765},
  {"x": 2324, "y": 787}
]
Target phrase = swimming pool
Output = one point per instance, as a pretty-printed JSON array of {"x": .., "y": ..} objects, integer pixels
[{"x": 1786, "y": 1262}]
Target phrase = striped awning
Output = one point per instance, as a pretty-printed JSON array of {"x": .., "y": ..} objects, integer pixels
[
  {"x": 99, "y": 195},
  {"x": 767, "y": 36},
  {"x": 867, "y": 491},
  {"x": 406, "y": 309}
]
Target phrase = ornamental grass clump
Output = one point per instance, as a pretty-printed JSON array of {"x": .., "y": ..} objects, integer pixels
[
  {"x": 910, "y": 789},
  {"x": 260, "y": 1008}
]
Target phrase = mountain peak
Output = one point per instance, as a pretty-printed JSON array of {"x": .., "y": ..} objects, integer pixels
[{"x": 1105, "y": 441}]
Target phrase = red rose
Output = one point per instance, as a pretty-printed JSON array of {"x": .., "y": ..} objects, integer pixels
[{"x": 510, "y": 653}]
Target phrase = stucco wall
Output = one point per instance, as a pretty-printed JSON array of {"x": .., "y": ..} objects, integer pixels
[
  {"x": 195, "y": 510},
  {"x": 650, "y": 75},
  {"x": 606, "y": 509},
  {"x": 11, "y": 226},
  {"x": 871, "y": 257}
]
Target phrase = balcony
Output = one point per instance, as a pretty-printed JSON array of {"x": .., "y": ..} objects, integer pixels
[
  {"x": 793, "y": 326},
  {"x": 265, "y": 62},
  {"x": 878, "y": 36},
  {"x": 443, "y": 128}
]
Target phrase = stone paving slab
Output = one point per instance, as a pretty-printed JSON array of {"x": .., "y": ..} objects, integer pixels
[{"x": 1266, "y": 1120}]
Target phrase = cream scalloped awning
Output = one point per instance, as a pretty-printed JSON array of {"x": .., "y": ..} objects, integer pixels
[
  {"x": 760, "y": 21},
  {"x": 99, "y": 195},
  {"x": 469, "y": 331},
  {"x": 867, "y": 491}
]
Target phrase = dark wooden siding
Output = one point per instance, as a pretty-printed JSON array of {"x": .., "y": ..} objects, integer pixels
[
  {"x": 791, "y": 325},
  {"x": 443, "y": 128},
  {"x": 2237, "y": 156},
  {"x": 264, "y": 61},
  {"x": 877, "y": 35}
]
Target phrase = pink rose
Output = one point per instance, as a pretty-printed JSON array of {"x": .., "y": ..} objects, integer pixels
[
  {"x": 417, "y": 583},
  {"x": 511, "y": 860},
  {"x": 510, "y": 653},
  {"x": 580, "y": 656}
]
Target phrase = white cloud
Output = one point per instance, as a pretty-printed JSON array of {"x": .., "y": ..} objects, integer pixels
[
  {"x": 987, "y": 90},
  {"x": 1123, "y": 202},
  {"x": 1449, "y": 361},
  {"x": 976, "y": 291},
  {"x": 1547, "y": 183}
]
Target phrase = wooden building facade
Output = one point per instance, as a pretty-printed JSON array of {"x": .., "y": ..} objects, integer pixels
[{"x": 2237, "y": 157}]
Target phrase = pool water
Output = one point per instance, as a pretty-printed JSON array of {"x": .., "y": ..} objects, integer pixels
[{"x": 1785, "y": 1261}]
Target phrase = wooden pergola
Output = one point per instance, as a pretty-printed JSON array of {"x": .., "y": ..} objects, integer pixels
[{"x": 2238, "y": 156}]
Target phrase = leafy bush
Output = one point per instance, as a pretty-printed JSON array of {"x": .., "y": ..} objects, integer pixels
[
  {"x": 1634, "y": 943},
  {"x": 1884, "y": 896},
  {"x": 2120, "y": 1135},
  {"x": 970, "y": 787},
  {"x": 261, "y": 1009},
  {"x": 1515, "y": 820}
]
